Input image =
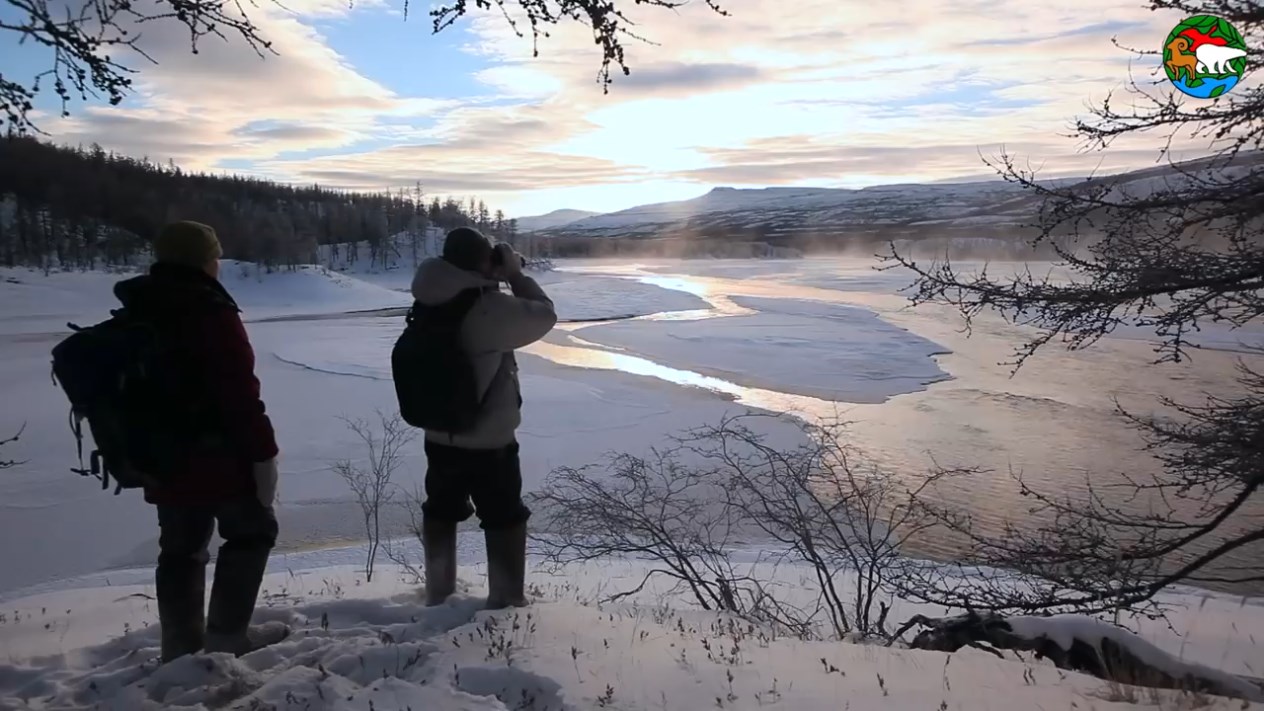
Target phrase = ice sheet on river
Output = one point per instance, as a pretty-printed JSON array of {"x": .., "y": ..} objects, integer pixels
[{"x": 841, "y": 353}]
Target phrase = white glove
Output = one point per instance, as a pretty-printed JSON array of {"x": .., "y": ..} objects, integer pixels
[{"x": 266, "y": 476}]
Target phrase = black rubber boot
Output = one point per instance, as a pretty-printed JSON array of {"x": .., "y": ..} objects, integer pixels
[
  {"x": 181, "y": 613},
  {"x": 439, "y": 540},
  {"x": 506, "y": 566}
]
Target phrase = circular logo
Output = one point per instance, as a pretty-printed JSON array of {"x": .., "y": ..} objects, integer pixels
[{"x": 1204, "y": 57}]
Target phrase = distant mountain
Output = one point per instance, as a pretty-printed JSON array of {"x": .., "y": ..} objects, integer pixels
[
  {"x": 991, "y": 211},
  {"x": 768, "y": 212},
  {"x": 557, "y": 218}
]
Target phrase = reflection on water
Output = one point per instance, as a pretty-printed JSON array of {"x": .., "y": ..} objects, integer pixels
[
  {"x": 595, "y": 358},
  {"x": 690, "y": 315},
  {"x": 1054, "y": 422},
  {"x": 721, "y": 304}
]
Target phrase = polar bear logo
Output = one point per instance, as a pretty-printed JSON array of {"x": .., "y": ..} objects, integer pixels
[{"x": 1215, "y": 59}]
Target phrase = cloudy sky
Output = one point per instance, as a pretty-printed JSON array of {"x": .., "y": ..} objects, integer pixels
[{"x": 782, "y": 92}]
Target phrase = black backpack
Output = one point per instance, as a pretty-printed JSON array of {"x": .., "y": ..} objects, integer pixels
[
  {"x": 434, "y": 376},
  {"x": 120, "y": 376}
]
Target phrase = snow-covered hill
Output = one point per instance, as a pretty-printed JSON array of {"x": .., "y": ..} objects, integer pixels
[
  {"x": 557, "y": 218},
  {"x": 787, "y": 215},
  {"x": 773, "y": 211}
]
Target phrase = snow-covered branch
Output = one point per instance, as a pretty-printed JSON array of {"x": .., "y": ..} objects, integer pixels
[{"x": 1083, "y": 644}]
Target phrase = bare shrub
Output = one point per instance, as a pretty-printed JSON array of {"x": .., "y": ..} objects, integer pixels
[
  {"x": 651, "y": 509},
  {"x": 847, "y": 519},
  {"x": 410, "y": 500},
  {"x": 848, "y": 522},
  {"x": 6, "y": 463},
  {"x": 371, "y": 483}
]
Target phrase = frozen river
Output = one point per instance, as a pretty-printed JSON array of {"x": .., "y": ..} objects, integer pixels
[{"x": 826, "y": 338}]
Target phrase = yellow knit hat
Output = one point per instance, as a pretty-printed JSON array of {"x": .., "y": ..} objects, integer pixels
[{"x": 191, "y": 244}]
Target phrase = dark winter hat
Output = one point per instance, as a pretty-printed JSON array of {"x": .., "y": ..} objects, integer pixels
[
  {"x": 467, "y": 248},
  {"x": 191, "y": 244}
]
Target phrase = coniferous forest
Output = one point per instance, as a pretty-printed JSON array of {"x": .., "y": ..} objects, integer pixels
[{"x": 82, "y": 208}]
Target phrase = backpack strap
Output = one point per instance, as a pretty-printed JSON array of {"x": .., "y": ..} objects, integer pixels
[
  {"x": 460, "y": 306},
  {"x": 97, "y": 470}
]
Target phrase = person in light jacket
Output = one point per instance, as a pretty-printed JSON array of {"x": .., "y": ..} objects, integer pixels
[{"x": 481, "y": 465}]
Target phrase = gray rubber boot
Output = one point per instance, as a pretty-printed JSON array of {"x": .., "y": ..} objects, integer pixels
[
  {"x": 238, "y": 575},
  {"x": 439, "y": 541},
  {"x": 506, "y": 567}
]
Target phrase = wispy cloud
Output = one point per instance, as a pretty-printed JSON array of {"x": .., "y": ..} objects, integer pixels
[{"x": 779, "y": 93}]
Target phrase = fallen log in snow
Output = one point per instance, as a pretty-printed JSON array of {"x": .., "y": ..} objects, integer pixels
[{"x": 1083, "y": 644}]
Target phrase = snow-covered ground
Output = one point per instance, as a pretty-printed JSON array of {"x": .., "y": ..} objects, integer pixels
[{"x": 361, "y": 645}]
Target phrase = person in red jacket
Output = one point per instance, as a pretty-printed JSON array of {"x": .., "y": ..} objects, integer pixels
[{"x": 233, "y": 483}]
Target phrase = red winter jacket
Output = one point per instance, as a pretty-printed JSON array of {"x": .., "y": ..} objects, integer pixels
[{"x": 201, "y": 320}]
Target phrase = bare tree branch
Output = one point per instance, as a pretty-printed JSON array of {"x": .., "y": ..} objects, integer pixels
[
  {"x": 1170, "y": 251},
  {"x": 90, "y": 40}
]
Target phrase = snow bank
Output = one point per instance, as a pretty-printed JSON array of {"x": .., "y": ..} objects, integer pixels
[
  {"x": 839, "y": 353},
  {"x": 308, "y": 290},
  {"x": 31, "y": 302},
  {"x": 361, "y": 646},
  {"x": 34, "y": 303}
]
